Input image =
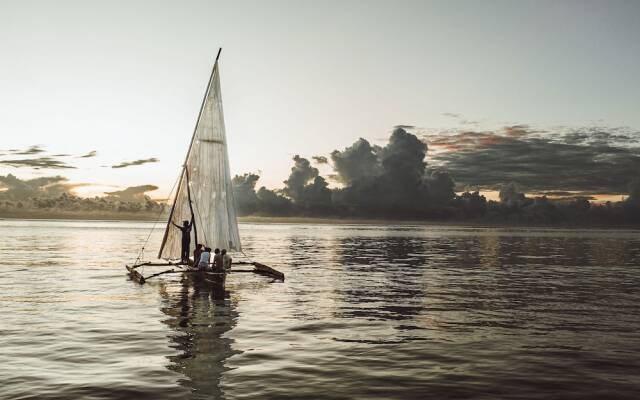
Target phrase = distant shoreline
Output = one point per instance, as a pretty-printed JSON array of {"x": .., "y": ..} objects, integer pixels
[
  {"x": 147, "y": 217},
  {"x": 83, "y": 215}
]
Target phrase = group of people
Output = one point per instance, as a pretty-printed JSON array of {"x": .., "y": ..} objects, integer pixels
[
  {"x": 202, "y": 259},
  {"x": 202, "y": 255}
]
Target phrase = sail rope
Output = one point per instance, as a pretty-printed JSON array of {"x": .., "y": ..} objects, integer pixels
[
  {"x": 197, "y": 213},
  {"x": 155, "y": 223}
]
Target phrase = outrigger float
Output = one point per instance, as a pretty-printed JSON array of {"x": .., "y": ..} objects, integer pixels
[{"x": 204, "y": 196}]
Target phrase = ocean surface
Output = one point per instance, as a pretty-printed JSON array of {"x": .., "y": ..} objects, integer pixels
[{"x": 366, "y": 312}]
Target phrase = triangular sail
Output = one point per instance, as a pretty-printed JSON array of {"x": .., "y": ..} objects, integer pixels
[{"x": 206, "y": 180}]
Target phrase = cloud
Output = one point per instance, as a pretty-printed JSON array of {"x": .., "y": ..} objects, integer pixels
[
  {"x": 405, "y": 127},
  {"x": 90, "y": 154},
  {"x": 451, "y": 115},
  {"x": 133, "y": 193},
  {"x": 18, "y": 189},
  {"x": 135, "y": 162},
  {"x": 29, "y": 151},
  {"x": 356, "y": 162},
  {"x": 591, "y": 160},
  {"x": 390, "y": 180},
  {"x": 301, "y": 173},
  {"x": 320, "y": 159},
  {"x": 37, "y": 163}
]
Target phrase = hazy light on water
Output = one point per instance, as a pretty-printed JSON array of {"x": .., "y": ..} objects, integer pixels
[{"x": 366, "y": 312}]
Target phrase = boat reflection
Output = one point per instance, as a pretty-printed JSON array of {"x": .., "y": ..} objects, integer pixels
[{"x": 200, "y": 315}]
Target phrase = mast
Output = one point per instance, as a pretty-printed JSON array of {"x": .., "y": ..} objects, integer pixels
[{"x": 186, "y": 159}]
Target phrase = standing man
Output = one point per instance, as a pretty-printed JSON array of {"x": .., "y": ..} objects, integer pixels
[{"x": 186, "y": 239}]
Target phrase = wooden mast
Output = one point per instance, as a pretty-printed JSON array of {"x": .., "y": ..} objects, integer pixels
[{"x": 184, "y": 166}]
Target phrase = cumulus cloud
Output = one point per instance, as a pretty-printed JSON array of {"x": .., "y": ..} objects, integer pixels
[
  {"x": 135, "y": 162},
  {"x": 593, "y": 160},
  {"x": 390, "y": 180},
  {"x": 305, "y": 186},
  {"x": 356, "y": 162},
  {"x": 15, "y": 188},
  {"x": 301, "y": 173},
  {"x": 133, "y": 193}
]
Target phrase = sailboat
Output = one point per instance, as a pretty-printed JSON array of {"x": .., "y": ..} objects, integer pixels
[{"x": 204, "y": 196}]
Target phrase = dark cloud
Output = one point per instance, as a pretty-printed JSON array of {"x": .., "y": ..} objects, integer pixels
[
  {"x": 37, "y": 163},
  {"x": 307, "y": 189},
  {"x": 593, "y": 160},
  {"x": 29, "y": 151},
  {"x": 301, "y": 173},
  {"x": 264, "y": 201},
  {"x": 403, "y": 159},
  {"x": 393, "y": 181},
  {"x": 135, "y": 162},
  {"x": 405, "y": 127},
  {"x": 390, "y": 180},
  {"x": 357, "y": 162},
  {"x": 320, "y": 159},
  {"x": 90, "y": 154},
  {"x": 244, "y": 190},
  {"x": 133, "y": 193}
]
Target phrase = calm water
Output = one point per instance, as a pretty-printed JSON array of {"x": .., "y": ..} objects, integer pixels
[{"x": 366, "y": 312}]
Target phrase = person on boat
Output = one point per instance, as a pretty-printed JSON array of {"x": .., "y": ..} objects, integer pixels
[
  {"x": 217, "y": 261},
  {"x": 196, "y": 253},
  {"x": 186, "y": 239},
  {"x": 226, "y": 260},
  {"x": 203, "y": 261}
]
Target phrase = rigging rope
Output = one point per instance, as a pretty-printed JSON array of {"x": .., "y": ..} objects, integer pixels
[
  {"x": 141, "y": 252},
  {"x": 204, "y": 232}
]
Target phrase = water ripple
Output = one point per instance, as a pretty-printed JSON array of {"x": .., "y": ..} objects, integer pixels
[{"x": 369, "y": 311}]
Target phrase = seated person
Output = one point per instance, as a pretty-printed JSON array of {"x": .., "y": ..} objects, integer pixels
[
  {"x": 205, "y": 256},
  {"x": 196, "y": 254},
  {"x": 226, "y": 260},
  {"x": 217, "y": 261}
]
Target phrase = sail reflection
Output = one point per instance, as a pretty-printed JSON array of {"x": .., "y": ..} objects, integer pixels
[{"x": 200, "y": 316}]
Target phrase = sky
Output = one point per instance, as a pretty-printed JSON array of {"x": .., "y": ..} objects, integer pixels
[{"x": 125, "y": 78}]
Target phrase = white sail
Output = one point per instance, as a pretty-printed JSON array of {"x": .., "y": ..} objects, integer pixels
[{"x": 205, "y": 190}]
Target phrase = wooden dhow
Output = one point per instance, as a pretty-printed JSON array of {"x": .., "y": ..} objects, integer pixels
[{"x": 204, "y": 196}]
